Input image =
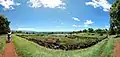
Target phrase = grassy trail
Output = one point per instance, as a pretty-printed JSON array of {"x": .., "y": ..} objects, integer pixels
[
  {"x": 9, "y": 51},
  {"x": 6, "y": 49}
]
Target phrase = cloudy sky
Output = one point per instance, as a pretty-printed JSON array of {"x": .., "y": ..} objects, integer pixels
[{"x": 56, "y": 15}]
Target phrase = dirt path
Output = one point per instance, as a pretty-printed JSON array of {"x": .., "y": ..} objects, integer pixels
[
  {"x": 117, "y": 49},
  {"x": 9, "y": 50}
]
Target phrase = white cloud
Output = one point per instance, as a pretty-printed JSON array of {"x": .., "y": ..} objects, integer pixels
[
  {"x": 8, "y": 4},
  {"x": 46, "y": 4},
  {"x": 18, "y": 4},
  {"x": 74, "y": 25},
  {"x": 104, "y": 4},
  {"x": 107, "y": 27},
  {"x": 88, "y": 22},
  {"x": 76, "y": 19},
  {"x": 26, "y": 29}
]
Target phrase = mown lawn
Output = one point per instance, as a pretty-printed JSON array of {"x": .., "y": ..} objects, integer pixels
[
  {"x": 2, "y": 42},
  {"x": 27, "y": 48}
]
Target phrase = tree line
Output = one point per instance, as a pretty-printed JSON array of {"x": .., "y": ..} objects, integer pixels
[{"x": 91, "y": 30}]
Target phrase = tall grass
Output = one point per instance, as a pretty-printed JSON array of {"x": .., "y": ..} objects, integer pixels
[
  {"x": 108, "y": 48},
  {"x": 2, "y": 42}
]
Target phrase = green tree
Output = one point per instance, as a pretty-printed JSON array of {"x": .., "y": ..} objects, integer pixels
[
  {"x": 98, "y": 30},
  {"x": 115, "y": 18},
  {"x": 85, "y": 30},
  {"x": 4, "y": 24},
  {"x": 91, "y": 30},
  {"x": 105, "y": 31}
]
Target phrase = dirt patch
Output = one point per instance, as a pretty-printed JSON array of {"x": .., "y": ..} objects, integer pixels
[
  {"x": 9, "y": 50},
  {"x": 117, "y": 49},
  {"x": 0, "y": 55}
]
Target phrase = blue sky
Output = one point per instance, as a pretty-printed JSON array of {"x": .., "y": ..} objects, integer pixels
[{"x": 56, "y": 15}]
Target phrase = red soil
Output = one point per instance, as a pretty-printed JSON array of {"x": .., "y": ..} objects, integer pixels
[
  {"x": 117, "y": 49},
  {"x": 9, "y": 51}
]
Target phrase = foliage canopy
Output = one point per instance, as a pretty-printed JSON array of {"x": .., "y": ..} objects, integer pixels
[
  {"x": 115, "y": 18},
  {"x": 4, "y": 24}
]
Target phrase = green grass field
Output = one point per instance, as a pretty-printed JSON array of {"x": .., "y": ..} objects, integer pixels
[
  {"x": 2, "y": 42},
  {"x": 27, "y": 48}
]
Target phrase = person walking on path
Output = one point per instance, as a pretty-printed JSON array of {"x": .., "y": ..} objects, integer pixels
[{"x": 9, "y": 37}]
